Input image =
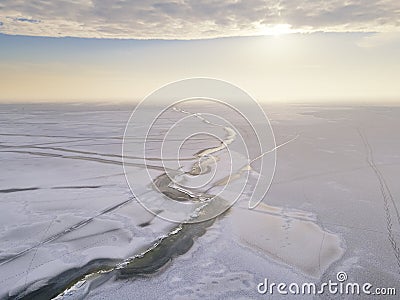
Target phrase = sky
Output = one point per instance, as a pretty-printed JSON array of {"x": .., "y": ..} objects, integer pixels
[{"x": 107, "y": 50}]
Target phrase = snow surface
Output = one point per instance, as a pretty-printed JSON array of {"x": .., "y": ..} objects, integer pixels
[{"x": 332, "y": 206}]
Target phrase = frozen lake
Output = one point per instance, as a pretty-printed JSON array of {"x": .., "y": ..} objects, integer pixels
[{"x": 70, "y": 226}]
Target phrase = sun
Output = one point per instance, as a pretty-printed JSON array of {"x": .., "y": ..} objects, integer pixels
[{"x": 276, "y": 29}]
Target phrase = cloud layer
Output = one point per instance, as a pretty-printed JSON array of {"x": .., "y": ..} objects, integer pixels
[{"x": 192, "y": 19}]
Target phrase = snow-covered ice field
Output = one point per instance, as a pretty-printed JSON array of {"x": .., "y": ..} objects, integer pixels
[{"x": 70, "y": 226}]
